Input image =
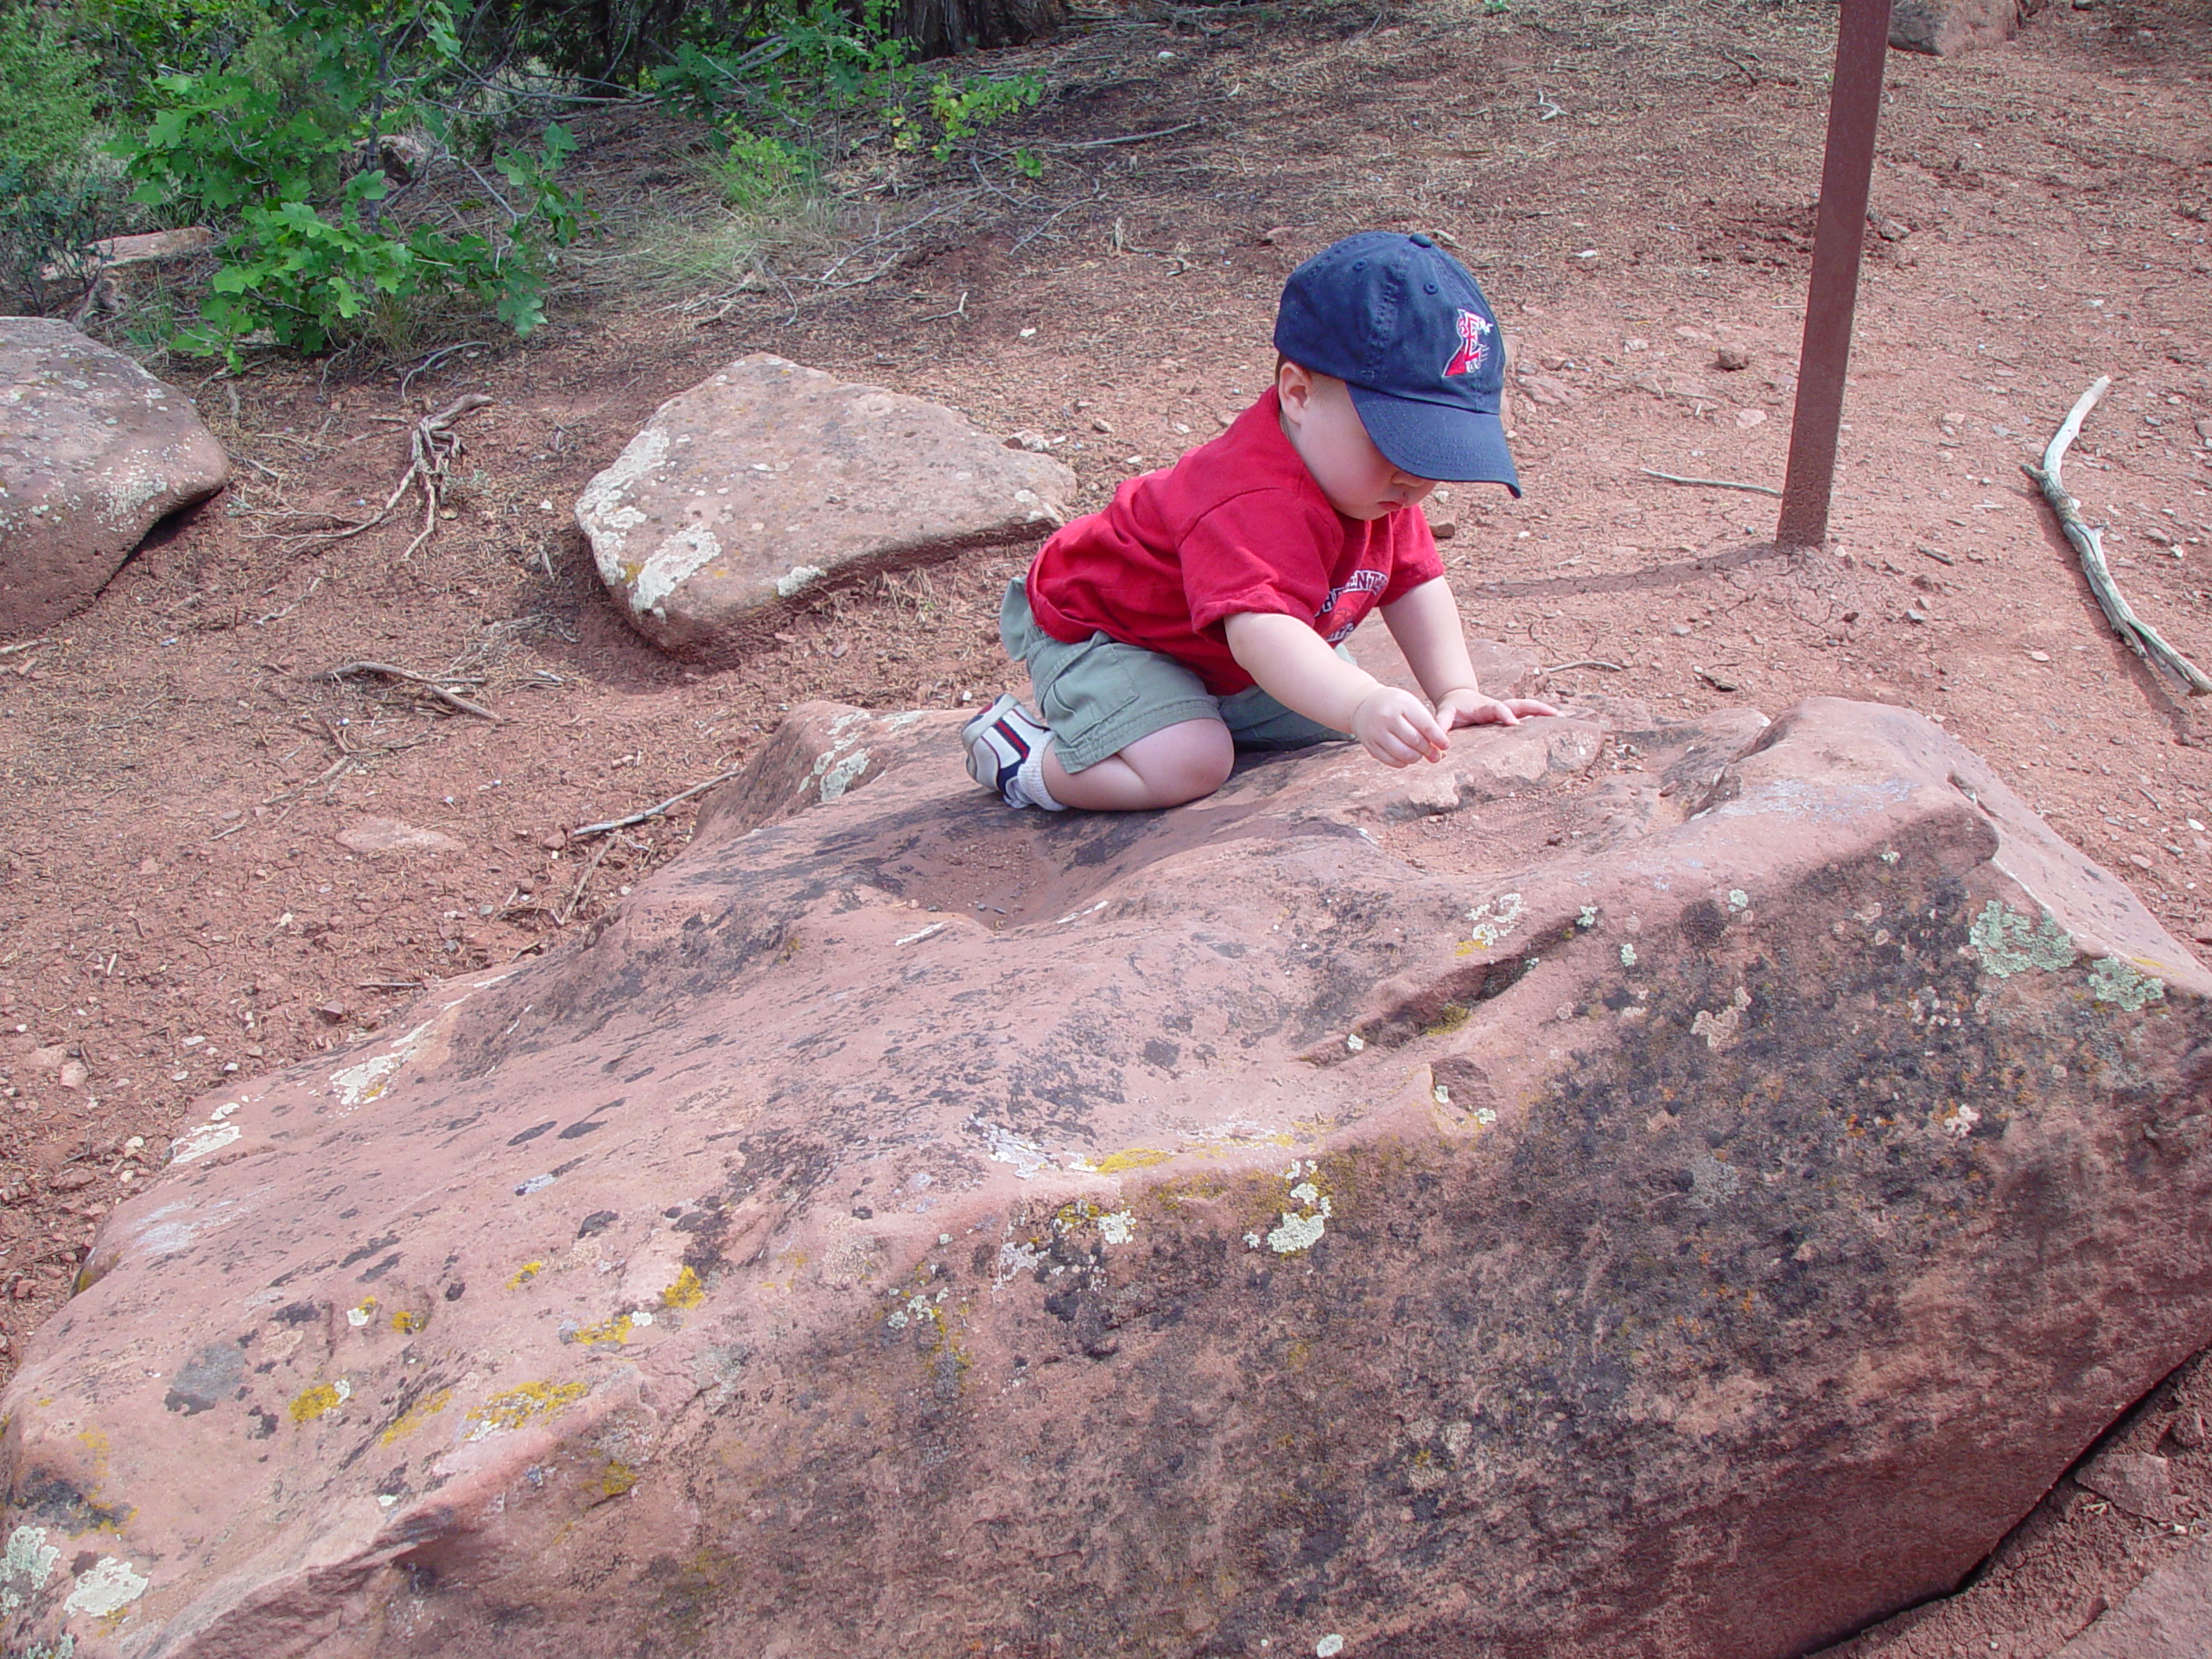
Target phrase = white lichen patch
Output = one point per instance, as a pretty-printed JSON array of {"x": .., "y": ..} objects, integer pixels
[
  {"x": 1329, "y": 1646},
  {"x": 1958, "y": 1121},
  {"x": 1588, "y": 919},
  {"x": 29, "y": 1560},
  {"x": 1117, "y": 1227},
  {"x": 2008, "y": 943},
  {"x": 1005, "y": 1147},
  {"x": 601, "y": 508},
  {"x": 1354, "y": 1043},
  {"x": 1712, "y": 1181},
  {"x": 1015, "y": 1257},
  {"x": 2114, "y": 979},
  {"x": 1739, "y": 900},
  {"x": 1719, "y": 1030},
  {"x": 1494, "y": 921},
  {"x": 799, "y": 578},
  {"x": 675, "y": 561},
  {"x": 108, "y": 1587},
  {"x": 202, "y": 1138},
  {"x": 839, "y": 777},
  {"x": 1628, "y": 956},
  {"x": 357, "y": 1085},
  {"x": 1298, "y": 1231}
]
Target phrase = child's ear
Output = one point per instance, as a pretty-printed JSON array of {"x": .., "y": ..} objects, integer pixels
[{"x": 1295, "y": 387}]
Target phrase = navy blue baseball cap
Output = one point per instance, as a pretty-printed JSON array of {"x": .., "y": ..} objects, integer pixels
[{"x": 1402, "y": 323}]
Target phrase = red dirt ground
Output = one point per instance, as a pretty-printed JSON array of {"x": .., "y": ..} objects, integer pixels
[{"x": 1632, "y": 183}]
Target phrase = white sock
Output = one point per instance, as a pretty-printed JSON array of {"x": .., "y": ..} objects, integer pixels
[{"x": 1029, "y": 779}]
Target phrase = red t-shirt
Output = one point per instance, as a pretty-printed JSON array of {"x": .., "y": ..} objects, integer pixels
[{"x": 1238, "y": 525}]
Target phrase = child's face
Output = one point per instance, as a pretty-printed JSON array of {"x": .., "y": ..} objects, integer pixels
[{"x": 1322, "y": 425}]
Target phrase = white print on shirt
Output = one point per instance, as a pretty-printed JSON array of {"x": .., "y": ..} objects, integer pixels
[{"x": 1363, "y": 582}]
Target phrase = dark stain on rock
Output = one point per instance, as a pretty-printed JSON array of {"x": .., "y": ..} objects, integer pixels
[
  {"x": 1704, "y": 924},
  {"x": 363, "y": 1252},
  {"x": 211, "y": 1374}
]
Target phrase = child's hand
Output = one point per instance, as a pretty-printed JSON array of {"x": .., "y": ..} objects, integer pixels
[
  {"x": 1473, "y": 709},
  {"x": 1397, "y": 727}
]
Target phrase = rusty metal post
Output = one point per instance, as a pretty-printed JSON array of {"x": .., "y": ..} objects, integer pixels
[{"x": 1855, "y": 110}]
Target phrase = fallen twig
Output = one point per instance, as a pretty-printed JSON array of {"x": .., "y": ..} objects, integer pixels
[
  {"x": 1587, "y": 662},
  {"x": 434, "y": 358},
  {"x": 432, "y": 445},
  {"x": 458, "y": 704},
  {"x": 1126, "y": 138},
  {"x": 26, "y": 645},
  {"x": 654, "y": 811},
  {"x": 599, "y": 854},
  {"x": 1712, "y": 483},
  {"x": 2088, "y": 542}
]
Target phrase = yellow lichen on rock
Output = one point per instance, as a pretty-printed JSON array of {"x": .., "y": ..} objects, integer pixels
[
  {"x": 417, "y": 1414},
  {"x": 686, "y": 1292},
  {"x": 323, "y": 1397},
  {"x": 516, "y": 1406}
]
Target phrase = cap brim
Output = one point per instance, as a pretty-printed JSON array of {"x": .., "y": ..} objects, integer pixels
[{"x": 1451, "y": 445}]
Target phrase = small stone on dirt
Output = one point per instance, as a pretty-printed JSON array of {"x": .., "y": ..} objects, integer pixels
[
  {"x": 372, "y": 835},
  {"x": 2136, "y": 1482},
  {"x": 1732, "y": 358},
  {"x": 74, "y": 1074},
  {"x": 1100, "y": 423},
  {"x": 1750, "y": 417}
]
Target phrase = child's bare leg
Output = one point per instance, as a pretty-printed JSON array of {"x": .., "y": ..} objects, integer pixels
[{"x": 1167, "y": 767}]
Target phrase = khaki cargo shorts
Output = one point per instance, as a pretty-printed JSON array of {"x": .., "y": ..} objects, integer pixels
[{"x": 1100, "y": 696}]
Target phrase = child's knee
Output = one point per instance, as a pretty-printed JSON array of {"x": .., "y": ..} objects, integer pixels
[{"x": 1195, "y": 763}]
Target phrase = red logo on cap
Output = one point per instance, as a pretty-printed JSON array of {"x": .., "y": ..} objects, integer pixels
[{"x": 1473, "y": 348}]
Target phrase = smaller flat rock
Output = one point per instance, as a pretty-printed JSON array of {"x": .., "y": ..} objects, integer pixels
[
  {"x": 94, "y": 451},
  {"x": 2138, "y": 1483},
  {"x": 374, "y": 836},
  {"x": 770, "y": 480},
  {"x": 2167, "y": 1616}
]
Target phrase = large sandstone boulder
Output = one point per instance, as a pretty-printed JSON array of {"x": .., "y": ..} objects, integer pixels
[
  {"x": 770, "y": 482},
  {"x": 94, "y": 451},
  {"x": 1944, "y": 27},
  {"x": 1684, "y": 1190}
]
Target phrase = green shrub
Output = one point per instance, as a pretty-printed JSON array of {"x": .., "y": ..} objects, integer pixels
[
  {"x": 285, "y": 147},
  {"x": 46, "y": 115},
  {"x": 752, "y": 173}
]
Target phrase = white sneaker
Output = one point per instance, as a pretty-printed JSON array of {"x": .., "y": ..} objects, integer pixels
[{"x": 1005, "y": 741}]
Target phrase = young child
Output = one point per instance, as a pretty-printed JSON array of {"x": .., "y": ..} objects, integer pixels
[{"x": 1205, "y": 610}]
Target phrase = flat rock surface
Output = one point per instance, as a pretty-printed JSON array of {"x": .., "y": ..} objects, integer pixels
[
  {"x": 770, "y": 480},
  {"x": 2167, "y": 1616},
  {"x": 94, "y": 451},
  {"x": 1552, "y": 1223}
]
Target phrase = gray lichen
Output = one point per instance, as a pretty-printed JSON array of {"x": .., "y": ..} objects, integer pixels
[
  {"x": 2114, "y": 979},
  {"x": 2008, "y": 943}
]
